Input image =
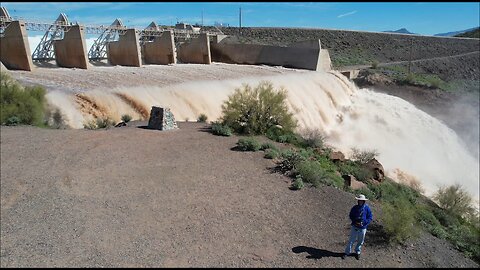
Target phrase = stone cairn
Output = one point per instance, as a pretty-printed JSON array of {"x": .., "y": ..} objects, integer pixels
[{"x": 161, "y": 119}]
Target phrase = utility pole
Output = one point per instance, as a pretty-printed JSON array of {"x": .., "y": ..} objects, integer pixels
[
  {"x": 202, "y": 17},
  {"x": 240, "y": 20}
]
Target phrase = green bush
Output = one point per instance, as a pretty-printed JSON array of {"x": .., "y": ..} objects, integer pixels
[
  {"x": 12, "y": 121},
  {"x": 248, "y": 144},
  {"x": 271, "y": 153},
  {"x": 57, "y": 118},
  {"x": 313, "y": 172},
  {"x": 389, "y": 191},
  {"x": 202, "y": 118},
  {"x": 268, "y": 145},
  {"x": 92, "y": 124},
  {"x": 313, "y": 138},
  {"x": 255, "y": 111},
  {"x": 298, "y": 183},
  {"x": 466, "y": 239},
  {"x": 399, "y": 220},
  {"x": 374, "y": 64},
  {"x": 105, "y": 122},
  {"x": 356, "y": 169},
  {"x": 363, "y": 156},
  {"x": 455, "y": 200},
  {"x": 22, "y": 105},
  {"x": 126, "y": 118},
  {"x": 289, "y": 160},
  {"x": 221, "y": 130}
]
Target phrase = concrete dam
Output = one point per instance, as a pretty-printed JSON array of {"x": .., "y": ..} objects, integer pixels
[{"x": 64, "y": 42}]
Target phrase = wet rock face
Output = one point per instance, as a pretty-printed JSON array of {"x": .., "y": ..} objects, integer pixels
[{"x": 161, "y": 119}]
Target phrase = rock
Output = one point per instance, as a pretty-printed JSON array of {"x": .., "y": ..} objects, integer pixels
[
  {"x": 337, "y": 156},
  {"x": 377, "y": 169},
  {"x": 352, "y": 182},
  {"x": 121, "y": 124},
  {"x": 161, "y": 119}
]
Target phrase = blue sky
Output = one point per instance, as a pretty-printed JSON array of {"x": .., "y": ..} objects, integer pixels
[{"x": 422, "y": 18}]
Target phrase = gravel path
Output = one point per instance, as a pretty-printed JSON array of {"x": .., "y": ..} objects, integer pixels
[{"x": 130, "y": 196}]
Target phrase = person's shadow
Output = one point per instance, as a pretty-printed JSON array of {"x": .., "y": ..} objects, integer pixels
[{"x": 315, "y": 253}]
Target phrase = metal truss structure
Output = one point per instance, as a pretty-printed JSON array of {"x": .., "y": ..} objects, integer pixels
[{"x": 45, "y": 51}]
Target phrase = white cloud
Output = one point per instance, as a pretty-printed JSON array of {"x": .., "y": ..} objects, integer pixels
[{"x": 347, "y": 14}]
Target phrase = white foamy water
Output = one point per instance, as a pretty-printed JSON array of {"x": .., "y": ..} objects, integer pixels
[{"x": 405, "y": 138}]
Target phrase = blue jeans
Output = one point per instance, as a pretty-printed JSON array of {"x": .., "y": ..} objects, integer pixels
[{"x": 356, "y": 234}]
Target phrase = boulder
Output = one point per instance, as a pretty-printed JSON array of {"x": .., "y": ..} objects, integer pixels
[
  {"x": 337, "y": 156},
  {"x": 161, "y": 119},
  {"x": 352, "y": 182},
  {"x": 121, "y": 124},
  {"x": 377, "y": 170}
]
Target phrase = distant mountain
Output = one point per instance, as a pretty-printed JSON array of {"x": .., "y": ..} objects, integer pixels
[
  {"x": 451, "y": 34},
  {"x": 470, "y": 34},
  {"x": 401, "y": 31}
]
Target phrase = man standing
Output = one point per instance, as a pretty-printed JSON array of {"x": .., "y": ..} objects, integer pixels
[{"x": 361, "y": 216}]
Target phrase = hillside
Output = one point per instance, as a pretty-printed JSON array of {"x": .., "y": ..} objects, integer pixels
[
  {"x": 456, "y": 33},
  {"x": 132, "y": 197},
  {"x": 475, "y": 33}
]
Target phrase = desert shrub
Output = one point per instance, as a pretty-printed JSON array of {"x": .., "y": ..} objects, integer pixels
[
  {"x": 313, "y": 172},
  {"x": 254, "y": 111},
  {"x": 25, "y": 104},
  {"x": 399, "y": 220},
  {"x": 356, "y": 169},
  {"x": 363, "y": 156},
  {"x": 313, "y": 138},
  {"x": 374, "y": 64},
  {"x": 289, "y": 160},
  {"x": 248, "y": 144},
  {"x": 91, "y": 124},
  {"x": 455, "y": 200},
  {"x": 274, "y": 132},
  {"x": 202, "y": 118},
  {"x": 445, "y": 218},
  {"x": 298, "y": 183},
  {"x": 271, "y": 153},
  {"x": 268, "y": 145},
  {"x": 389, "y": 191},
  {"x": 126, "y": 118},
  {"x": 13, "y": 121},
  {"x": 427, "y": 220},
  {"x": 58, "y": 119},
  {"x": 466, "y": 239},
  {"x": 221, "y": 130},
  {"x": 105, "y": 122}
]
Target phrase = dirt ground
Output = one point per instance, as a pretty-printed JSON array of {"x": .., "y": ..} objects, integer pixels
[{"x": 130, "y": 196}]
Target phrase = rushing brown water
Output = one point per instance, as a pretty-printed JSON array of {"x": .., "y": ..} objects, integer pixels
[{"x": 408, "y": 140}]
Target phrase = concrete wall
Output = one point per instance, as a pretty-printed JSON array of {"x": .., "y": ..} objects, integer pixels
[
  {"x": 14, "y": 47},
  {"x": 125, "y": 51},
  {"x": 161, "y": 51},
  {"x": 342, "y": 44},
  {"x": 305, "y": 55},
  {"x": 195, "y": 51},
  {"x": 71, "y": 51}
]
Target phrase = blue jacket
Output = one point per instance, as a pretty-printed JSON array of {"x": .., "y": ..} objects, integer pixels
[{"x": 363, "y": 213}]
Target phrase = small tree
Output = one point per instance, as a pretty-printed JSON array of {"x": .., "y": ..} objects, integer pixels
[
  {"x": 455, "y": 200},
  {"x": 202, "y": 118},
  {"x": 254, "y": 111},
  {"x": 126, "y": 118},
  {"x": 363, "y": 156}
]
